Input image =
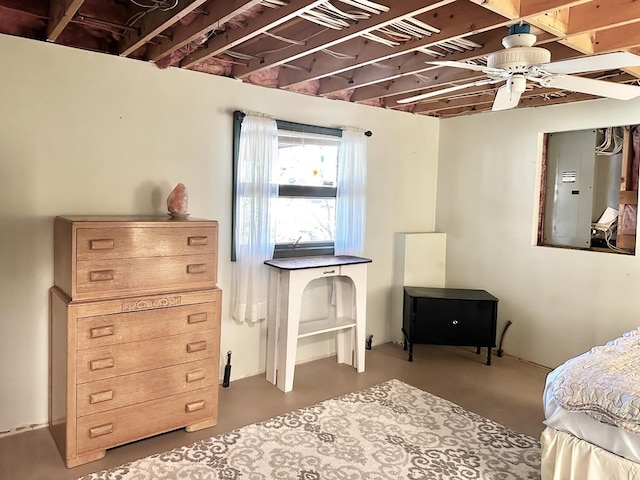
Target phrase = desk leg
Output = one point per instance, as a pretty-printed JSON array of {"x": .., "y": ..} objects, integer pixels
[
  {"x": 345, "y": 338},
  {"x": 358, "y": 274},
  {"x": 273, "y": 316},
  {"x": 292, "y": 285}
]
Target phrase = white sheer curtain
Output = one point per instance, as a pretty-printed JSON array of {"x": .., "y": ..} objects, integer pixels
[
  {"x": 351, "y": 195},
  {"x": 254, "y": 235}
]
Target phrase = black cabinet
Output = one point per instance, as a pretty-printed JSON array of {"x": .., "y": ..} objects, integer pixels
[{"x": 449, "y": 316}]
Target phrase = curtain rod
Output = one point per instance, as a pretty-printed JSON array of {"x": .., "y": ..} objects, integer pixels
[{"x": 367, "y": 133}]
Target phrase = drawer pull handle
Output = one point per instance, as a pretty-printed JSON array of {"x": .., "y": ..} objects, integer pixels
[
  {"x": 197, "y": 317},
  {"x": 195, "y": 375},
  {"x": 326, "y": 272},
  {"x": 101, "y": 364},
  {"x": 105, "y": 429},
  {"x": 193, "y": 241},
  {"x": 194, "y": 406},
  {"x": 98, "y": 332},
  {"x": 455, "y": 322},
  {"x": 101, "y": 397},
  {"x": 196, "y": 268},
  {"x": 103, "y": 244},
  {"x": 101, "y": 275},
  {"x": 196, "y": 346}
]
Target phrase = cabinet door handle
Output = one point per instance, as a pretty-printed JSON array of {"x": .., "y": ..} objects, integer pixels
[
  {"x": 197, "y": 268},
  {"x": 98, "y": 332},
  {"x": 101, "y": 397},
  {"x": 197, "y": 317},
  {"x": 101, "y": 275},
  {"x": 193, "y": 241},
  {"x": 194, "y": 406},
  {"x": 327, "y": 272},
  {"x": 196, "y": 346},
  {"x": 101, "y": 364},
  {"x": 101, "y": 430},
  {"x": 101, "y": 244}
]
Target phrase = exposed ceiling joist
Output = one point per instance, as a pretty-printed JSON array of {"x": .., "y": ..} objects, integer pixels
[
  {"x": 453, "y": 21},
  {"x": 217, "y": 14},
  {"x": 330, "y": 38},
  {"x": 233, "y": 37},
  {"x": 404, "y": 65},
  {"x": 155, "y": 23},
  {"x": 331, "y": 48},
  {"x": 61, "y": 13}
]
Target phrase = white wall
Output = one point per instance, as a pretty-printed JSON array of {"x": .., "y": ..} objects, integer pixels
[
  {"x": 85, "y": 133},
  {"x": 561, "y": 302}
]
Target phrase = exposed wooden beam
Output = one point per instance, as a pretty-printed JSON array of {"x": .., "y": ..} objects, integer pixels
[
  {"x": 454, "y": 21},
  {"x": 597, "y": 15},
  {"x": 620, "y": 38},
  {"x": 265, "y": 22},
  {"x": 154, "y": 23},
  {"x": 402, "y": 65},
  {"x": 330, "y": 38},
  {"x": 403, "y": 86},
  {"x": 218, "y": 13},
  {"x": 536, "y": 7},
  {"x": 526, "y": 8},
  {"x": 60, "y": 14}
]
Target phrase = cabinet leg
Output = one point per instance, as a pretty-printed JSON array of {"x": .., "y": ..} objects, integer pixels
[
  {"x": 477, "y": 350},
  {"x": 405, "y": 337},
  {"x": 489, "y": 356},
  {"x": 85, "y": 458},
  {"x": 411, "y": 352}
]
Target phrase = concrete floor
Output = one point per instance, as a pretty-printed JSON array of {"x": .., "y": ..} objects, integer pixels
[{"x": 508, "y": 392}]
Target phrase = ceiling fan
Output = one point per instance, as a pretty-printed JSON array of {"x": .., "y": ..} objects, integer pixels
[{"x": 520, "y": 61}]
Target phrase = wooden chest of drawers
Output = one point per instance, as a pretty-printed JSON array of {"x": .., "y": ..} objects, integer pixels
[{"x": 135, "y": 331}]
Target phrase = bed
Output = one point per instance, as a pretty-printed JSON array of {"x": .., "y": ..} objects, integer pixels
[{"x": 592, "y": 414}]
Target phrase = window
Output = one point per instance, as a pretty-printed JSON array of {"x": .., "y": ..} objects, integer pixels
[
  {"x": 306, "y": 174},
  {"x": 589, "y": 189}
]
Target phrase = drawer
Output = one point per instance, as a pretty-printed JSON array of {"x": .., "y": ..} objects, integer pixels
[
  {"x": 112, "y": 278},
  {"x": 133, "y": 242},
  {"x": 116, "y": 328},
  {"x": 126, "y": 358},
  {"x": 117, "y": 392},
  {"x": 115, "y": 427},
  {"x": 446, "y": 322}
]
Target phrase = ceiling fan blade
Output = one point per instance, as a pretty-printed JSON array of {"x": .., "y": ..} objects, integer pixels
[
  {"x": 442, "y": 91},
  {"x": 601, "y": 88},
  {"x": 505, "y": 99},
  {"x": 468, "y": 66},
  {"x": 593, "y": 63}
]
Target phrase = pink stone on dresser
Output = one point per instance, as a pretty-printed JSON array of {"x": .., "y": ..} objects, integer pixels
[{"x": 178, "y": 199}]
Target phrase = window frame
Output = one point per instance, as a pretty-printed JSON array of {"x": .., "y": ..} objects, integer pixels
[{"x": 284, "y": 250}]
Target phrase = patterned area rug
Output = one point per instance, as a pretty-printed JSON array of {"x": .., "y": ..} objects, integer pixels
[{"x": 389, "y": 431}]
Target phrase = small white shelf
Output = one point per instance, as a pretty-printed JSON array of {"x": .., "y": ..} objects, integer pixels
[{"x": 324, "y": 325}]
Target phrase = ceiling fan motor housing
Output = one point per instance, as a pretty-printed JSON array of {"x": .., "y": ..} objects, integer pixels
[{"x": 518, "y": 59}]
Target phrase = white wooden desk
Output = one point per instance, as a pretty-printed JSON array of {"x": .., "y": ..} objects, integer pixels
[{"x": 289, "y": 278}]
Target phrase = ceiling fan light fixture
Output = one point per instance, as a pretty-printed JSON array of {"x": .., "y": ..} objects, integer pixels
[{"x": 517, "y": 84}]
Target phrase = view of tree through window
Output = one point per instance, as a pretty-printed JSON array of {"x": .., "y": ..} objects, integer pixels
[{"x": 306, "y": 171}]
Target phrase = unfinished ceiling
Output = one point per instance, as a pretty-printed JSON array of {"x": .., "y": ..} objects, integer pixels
[{"x": 362, "y": 51}]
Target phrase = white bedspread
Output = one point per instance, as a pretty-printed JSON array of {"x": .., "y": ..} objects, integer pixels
[{"x": 604, "y": 383}]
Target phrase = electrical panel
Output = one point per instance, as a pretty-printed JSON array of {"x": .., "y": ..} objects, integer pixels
[{"x": 569, "y": 195}]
